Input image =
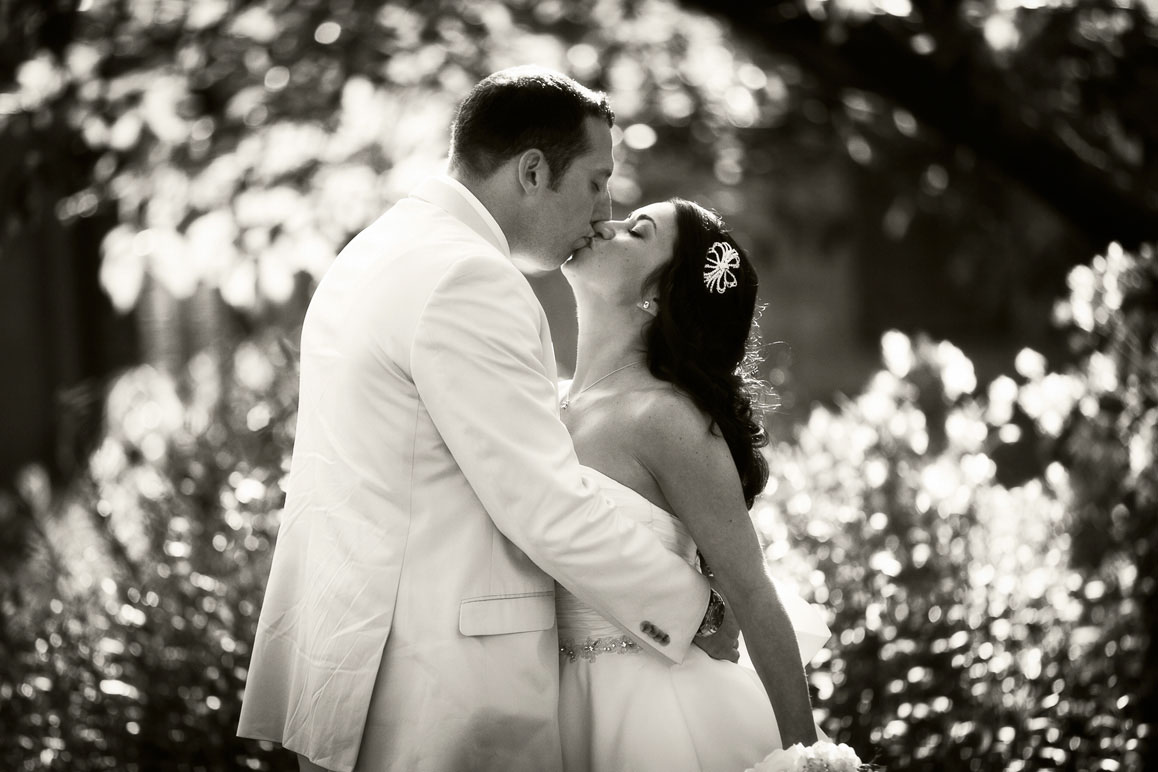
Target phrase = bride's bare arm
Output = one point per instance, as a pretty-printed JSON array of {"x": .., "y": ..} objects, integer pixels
[{"x": 695, "y": 472}]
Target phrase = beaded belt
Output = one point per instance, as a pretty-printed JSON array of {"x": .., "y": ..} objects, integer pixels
[{"x": 593, "y": 647}]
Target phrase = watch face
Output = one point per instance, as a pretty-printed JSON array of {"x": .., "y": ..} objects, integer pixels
[
  {"x": 718, "y": 615},
  {"x": 716, "y": 610}
]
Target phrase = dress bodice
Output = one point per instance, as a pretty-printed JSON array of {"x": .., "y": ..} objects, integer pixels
[{"x": 584, "y": 631}]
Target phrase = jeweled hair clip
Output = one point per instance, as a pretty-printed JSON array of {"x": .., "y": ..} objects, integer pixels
[{"x": 722, "y": 258}]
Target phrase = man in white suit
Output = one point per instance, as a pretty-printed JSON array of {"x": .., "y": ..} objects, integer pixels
[{"x": 434, "y": 495}]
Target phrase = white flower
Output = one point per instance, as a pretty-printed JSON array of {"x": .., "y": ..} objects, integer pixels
[{"x": 819, "y": 757}]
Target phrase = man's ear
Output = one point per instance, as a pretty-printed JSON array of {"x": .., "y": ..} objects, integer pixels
[{"x": 534, "y": 175}]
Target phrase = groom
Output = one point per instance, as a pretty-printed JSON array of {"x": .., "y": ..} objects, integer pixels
[{"x": 434, "y": 496}]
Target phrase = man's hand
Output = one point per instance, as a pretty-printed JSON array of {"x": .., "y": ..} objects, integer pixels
[{"x": 725, "y": 642}]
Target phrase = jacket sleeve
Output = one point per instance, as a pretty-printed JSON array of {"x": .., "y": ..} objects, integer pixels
[{"x": 476, "y": 363}]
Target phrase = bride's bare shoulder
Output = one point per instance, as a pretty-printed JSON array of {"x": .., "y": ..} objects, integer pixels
[
  {"x": 667, "y": 414},
  {"x": 674, "y": 440}
]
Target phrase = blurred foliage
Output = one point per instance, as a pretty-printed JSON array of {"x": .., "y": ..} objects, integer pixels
[
  {"x": 240, "y": 144},
  {"x": 984, "y": 625},
  {"x": 126, "y": 620},
  {"x": 1052, "y": 94}
]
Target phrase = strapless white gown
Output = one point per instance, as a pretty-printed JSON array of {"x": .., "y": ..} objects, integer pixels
[{"x": 624, "y": 709}]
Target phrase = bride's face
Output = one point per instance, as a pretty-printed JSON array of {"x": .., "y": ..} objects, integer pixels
[{"x": 625, "y": 252}]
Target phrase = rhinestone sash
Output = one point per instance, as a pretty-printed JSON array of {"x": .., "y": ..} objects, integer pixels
[{"x": 593, "y": 647}]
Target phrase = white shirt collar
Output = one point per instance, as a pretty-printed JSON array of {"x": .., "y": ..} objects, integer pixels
[{"x": 450, "y": 194}]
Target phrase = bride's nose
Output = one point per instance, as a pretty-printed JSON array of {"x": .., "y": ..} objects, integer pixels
[{"x": 605, "y": 229}]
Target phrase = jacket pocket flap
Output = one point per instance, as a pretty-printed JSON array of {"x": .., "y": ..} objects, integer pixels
[{"x": 499, "y": 614}]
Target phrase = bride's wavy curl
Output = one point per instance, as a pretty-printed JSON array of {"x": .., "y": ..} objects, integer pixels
[{"x": 705, "y": 342}]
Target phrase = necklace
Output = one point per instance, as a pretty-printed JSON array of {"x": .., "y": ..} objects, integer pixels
[{"x": 566, "y": 401}]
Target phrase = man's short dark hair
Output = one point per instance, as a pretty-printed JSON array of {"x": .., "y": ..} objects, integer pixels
[{"x": 514, "y": 110}]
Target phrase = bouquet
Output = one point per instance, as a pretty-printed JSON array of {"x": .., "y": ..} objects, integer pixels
[{"x": 818, "y": 757}]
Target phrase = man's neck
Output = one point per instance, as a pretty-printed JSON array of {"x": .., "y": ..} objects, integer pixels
[{"x": 488, "y": 193}]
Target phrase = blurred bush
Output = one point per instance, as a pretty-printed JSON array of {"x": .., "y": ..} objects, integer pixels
[
  {"x": 977, "y": 624},
  {"x": 981, "y": 624},
  {"x": 127, "y": 619}
]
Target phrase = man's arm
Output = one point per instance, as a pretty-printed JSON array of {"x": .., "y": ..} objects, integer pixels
[{"x": 476, "y": 364}]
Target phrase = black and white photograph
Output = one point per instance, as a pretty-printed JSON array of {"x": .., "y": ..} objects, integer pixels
[{"x": 578, "y": 385}]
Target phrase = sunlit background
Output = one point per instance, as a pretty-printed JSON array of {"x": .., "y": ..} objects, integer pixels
[{"x": 954, "y": 209}]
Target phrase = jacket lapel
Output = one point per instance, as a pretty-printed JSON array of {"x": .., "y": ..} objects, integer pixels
[{"x": 441, "y": 193}]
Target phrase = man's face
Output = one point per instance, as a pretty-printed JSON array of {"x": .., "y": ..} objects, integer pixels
[{"x": 564, "y": 221}]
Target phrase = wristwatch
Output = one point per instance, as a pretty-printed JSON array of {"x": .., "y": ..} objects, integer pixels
[{"x": 714, "y": 616}]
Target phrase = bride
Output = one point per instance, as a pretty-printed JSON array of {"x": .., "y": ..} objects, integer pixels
[{"x": 661, "y": 415}]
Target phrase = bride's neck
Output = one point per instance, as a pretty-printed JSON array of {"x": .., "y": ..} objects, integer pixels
[{"x": 609, "y": 337}]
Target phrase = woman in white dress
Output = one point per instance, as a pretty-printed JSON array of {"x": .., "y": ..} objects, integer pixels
[{"x": 661, "y": 412}]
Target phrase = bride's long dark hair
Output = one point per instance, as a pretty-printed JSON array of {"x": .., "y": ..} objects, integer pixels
[{"x": 704, "y": 342}]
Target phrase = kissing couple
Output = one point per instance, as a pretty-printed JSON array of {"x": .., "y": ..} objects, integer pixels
[{"x": 480, "y": 568}]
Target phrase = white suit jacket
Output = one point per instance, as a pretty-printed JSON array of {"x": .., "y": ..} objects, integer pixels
[{"x": 433, "y": 494}]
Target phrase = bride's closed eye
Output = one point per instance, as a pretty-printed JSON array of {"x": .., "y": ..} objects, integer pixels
[{"x": 637, "y": 231}]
